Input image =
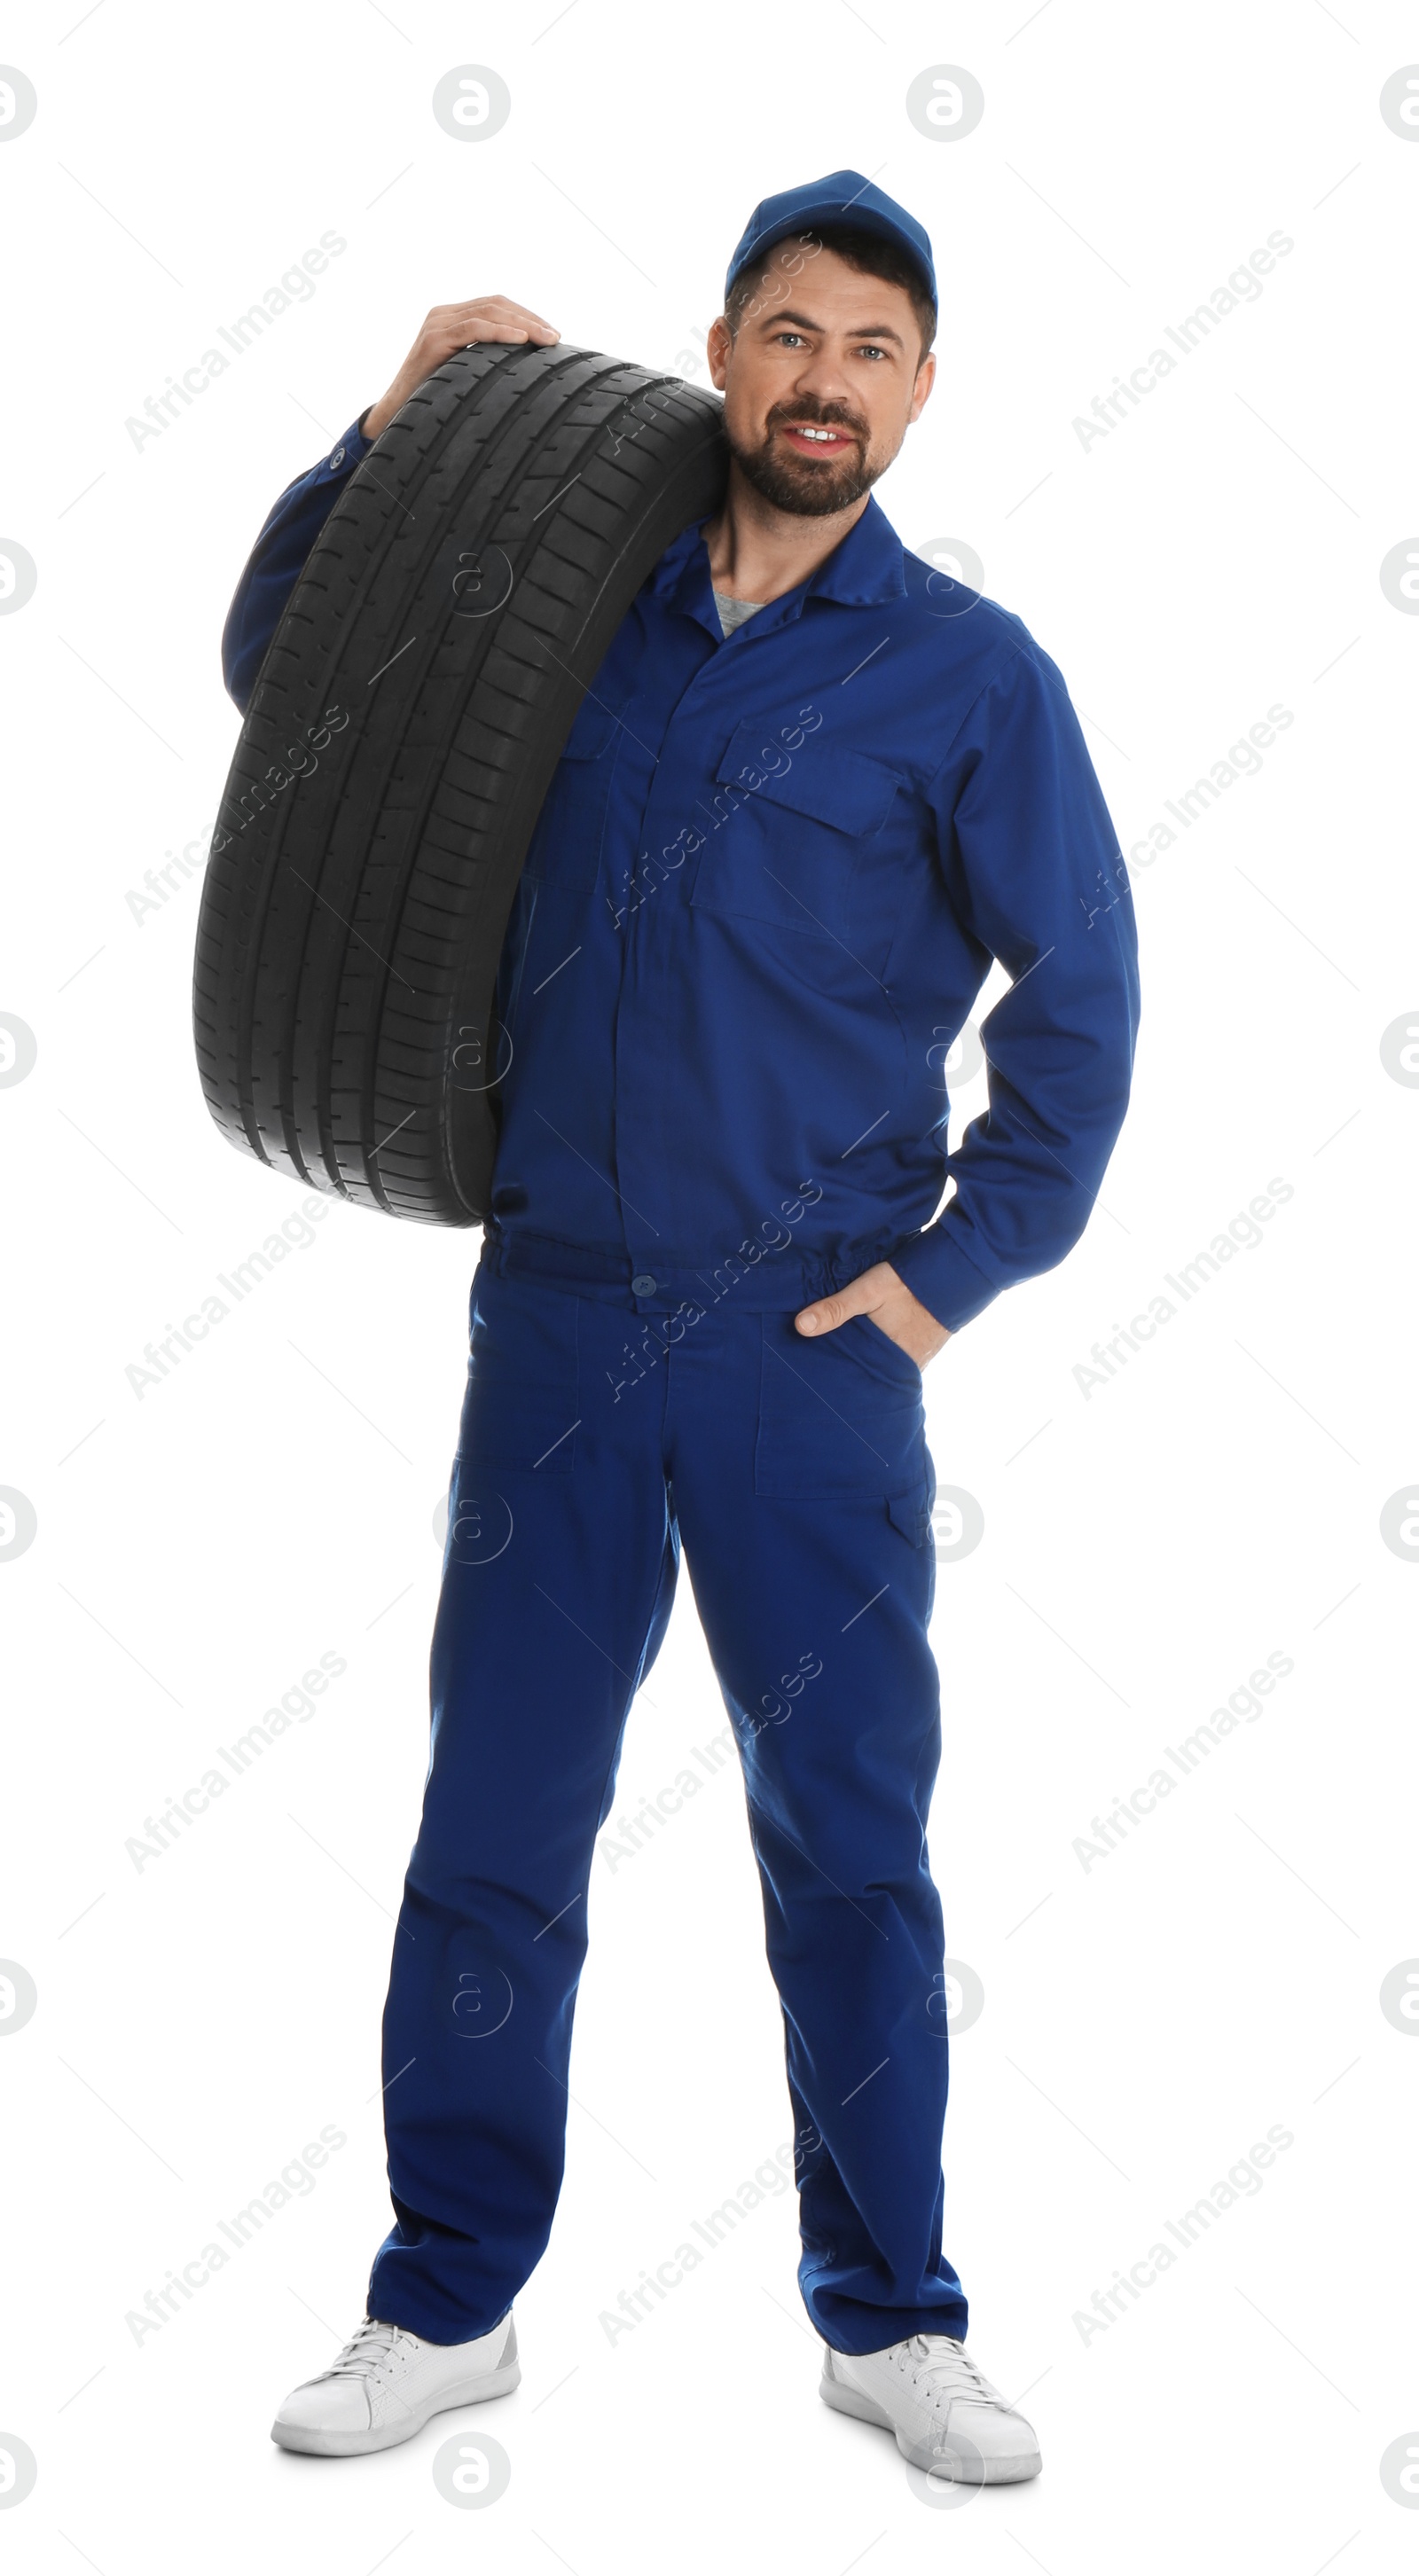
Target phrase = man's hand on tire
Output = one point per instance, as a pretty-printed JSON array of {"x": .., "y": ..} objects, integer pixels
[
  {"x": 889, "y": 1302},
  {"x": 450, "y": 327}
]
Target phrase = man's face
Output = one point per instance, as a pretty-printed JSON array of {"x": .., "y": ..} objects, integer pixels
[{"x": 821, "y": 381}]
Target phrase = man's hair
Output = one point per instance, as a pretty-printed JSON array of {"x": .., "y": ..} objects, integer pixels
[{"x": 866, "y": 252}]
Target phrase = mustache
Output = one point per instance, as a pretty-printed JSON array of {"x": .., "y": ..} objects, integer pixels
[{"x": 814, "y": 415}]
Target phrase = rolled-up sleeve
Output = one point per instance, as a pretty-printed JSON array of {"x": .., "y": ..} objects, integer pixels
[
  {"x": 1033, "y": 869},
  {"x": 277, "y": 560}
]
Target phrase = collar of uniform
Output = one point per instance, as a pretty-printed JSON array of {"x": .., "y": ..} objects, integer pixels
[
  {"x": 862, "y": 572},
  {"x": 866, "y": 569}
]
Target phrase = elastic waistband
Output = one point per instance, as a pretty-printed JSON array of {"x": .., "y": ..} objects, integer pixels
[{"x": 773, "y": 1280}]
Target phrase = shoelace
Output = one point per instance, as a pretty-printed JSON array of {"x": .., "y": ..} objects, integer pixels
[
  {"x": 946, "y": 2369},
  {"x": 370, "y": 2347}
]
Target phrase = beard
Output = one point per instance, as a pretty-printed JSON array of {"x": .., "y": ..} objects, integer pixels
[{"x": 807, "y": 486}]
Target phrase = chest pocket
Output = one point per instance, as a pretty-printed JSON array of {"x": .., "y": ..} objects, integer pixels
[
  {"x": 566, "y": 846},
  {"x": 795, "y": 815}
]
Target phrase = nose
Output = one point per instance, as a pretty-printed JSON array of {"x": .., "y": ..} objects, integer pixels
[{"x": 822, "y": 377}]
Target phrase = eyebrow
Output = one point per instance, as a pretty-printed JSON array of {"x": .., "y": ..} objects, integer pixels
[{"x": 804, "y": 321}]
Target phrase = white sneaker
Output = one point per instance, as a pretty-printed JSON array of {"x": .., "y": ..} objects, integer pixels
[
  {"x": 386, "y": 2384},
  {"x": 944, "y": 2412}
]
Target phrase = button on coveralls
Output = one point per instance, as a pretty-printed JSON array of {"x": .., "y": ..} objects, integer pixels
[{"x": 767, "y": 884}]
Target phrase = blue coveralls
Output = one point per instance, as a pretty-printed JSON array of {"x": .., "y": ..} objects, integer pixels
[{"x": 766, "y": 886}]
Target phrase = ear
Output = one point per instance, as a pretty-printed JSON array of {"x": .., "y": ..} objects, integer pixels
[
  {"x": 718, "y": 349},
  {"x": 925, "y": 379}
]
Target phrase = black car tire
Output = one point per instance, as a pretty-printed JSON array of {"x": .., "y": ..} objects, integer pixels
[{"x": 401, "y": 737}]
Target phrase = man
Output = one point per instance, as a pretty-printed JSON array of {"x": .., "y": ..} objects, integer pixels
[{"x": 814, "y": 790}]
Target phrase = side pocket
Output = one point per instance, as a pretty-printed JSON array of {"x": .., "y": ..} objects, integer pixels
[
  {"x": 911, "y": 1514},
  {"x": 521, "y": 1408},
  {"x": 839, "y": 1415}
]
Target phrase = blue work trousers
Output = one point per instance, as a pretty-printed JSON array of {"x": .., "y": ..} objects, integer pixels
[{"x": 601, "y": 1434}]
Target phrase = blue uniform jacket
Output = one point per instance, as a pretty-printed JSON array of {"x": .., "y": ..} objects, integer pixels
[{"x": 766, "y": 886}]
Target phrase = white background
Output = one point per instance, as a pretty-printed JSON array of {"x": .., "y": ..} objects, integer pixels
[{"x": 1146, "y": 1545}]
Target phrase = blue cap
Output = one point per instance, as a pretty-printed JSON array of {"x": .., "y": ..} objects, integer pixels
[{"x": 843, "y": 197}]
